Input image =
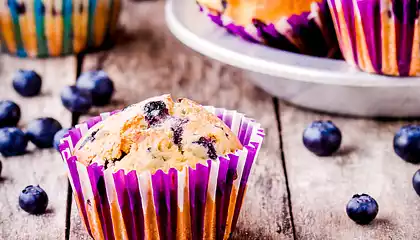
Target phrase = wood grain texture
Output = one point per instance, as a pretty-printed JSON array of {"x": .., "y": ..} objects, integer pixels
[
  {"x": 43, "y": 167},
  {"x": 321, "y": 187},
  {"x": 148, "y": 61}
]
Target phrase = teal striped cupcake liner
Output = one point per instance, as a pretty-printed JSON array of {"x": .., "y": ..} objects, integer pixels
[{"x": 48, "y": 28}]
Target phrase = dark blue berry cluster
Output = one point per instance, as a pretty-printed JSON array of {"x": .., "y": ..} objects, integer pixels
[
  {"x": 93, "y": 88},
  {"x": 13, "y": 141},
  {"x": 407, "y": 147}
]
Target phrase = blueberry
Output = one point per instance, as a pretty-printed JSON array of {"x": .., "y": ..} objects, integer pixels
[
  {"x": 155, "y": 111},
  {"x": 407, "y": 143},
  {"x": 178, "y": 129},
  {"x": 416, "y": 182},
  {"x": 322, "y": 138},
  {"x": 1, "y": 168},
  {"x": 58, "y": 136},
  {"x": 41, "y": 131},
  {"x": 98, "y": 84},
  {"x": 9, "y": 113},
  {"x": 76, "y": 100},
  {"x": 27, "y": 83},
  {"x": 33, "y": 200},
  {"x": 362, "y": 208},
  {"x": 13, "y": 141},
  {"x": 208, "y": 143}
]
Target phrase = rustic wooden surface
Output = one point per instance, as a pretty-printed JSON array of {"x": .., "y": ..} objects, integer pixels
[
  {"x": 43, "y": 167},
  {"x": 321, "y": 187},
  {"x": 146, "y": 61}
]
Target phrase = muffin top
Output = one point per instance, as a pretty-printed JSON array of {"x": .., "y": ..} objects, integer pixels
[
  {"x": 157, "y": 133},
  {"x": 242, "y": 12}
]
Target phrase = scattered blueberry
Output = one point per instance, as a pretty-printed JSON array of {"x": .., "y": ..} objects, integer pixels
[
  {"x": 416, "y": 182},
  {"x": 41, "y": 131},
  {"x": 9, "y": 113},
  {"x": 76, "y": 100},
  {"x": 407, "y": 143},
  {"x": 98, "y": 84},
  {"x": 33, "y": 200},
  {"x": 208, "y": 143},
  {"x": 322, "y": 138},
  {"x": 155, "y": 112},
  {"x": 13, "y": 141},
  {"x": 362, "y": 208},
  {"x": 27, "y": 83},
  {"x": 58, "y": 136}
]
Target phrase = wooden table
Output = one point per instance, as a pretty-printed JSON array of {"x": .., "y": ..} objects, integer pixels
[{"x": 292, "y": 194}]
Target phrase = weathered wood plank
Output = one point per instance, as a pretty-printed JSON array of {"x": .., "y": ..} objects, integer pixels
[
  {"x": 43, "y": 167},
  {"x": 148, "y": 61},
  {"x": 321, "y": 187}
]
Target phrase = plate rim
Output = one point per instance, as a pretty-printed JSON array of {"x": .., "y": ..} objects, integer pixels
[{"x": 274, "y": 68}]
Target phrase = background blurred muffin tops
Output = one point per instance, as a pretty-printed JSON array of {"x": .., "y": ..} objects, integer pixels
[
  {"x": 157, "y": 134},
  {"x": 242, "y": 12}
]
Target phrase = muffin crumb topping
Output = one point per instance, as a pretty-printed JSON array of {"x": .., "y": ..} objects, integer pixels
[{"x": 157, "y": 133}]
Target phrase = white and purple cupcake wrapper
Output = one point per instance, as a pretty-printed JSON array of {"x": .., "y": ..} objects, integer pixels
[
  {"x": 307, "y": 33},
  {"x": 192, "y": 203},
  {"x": 379, "y": 36}
]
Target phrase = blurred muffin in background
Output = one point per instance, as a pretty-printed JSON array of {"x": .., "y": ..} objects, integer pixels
[
  {"x": 298, "y": 26},
  {"x": 37, "y": 28},
  {"x": 379, "y": 36}
]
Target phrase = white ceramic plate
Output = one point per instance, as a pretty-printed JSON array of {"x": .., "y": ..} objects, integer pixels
[{"x": 311, "y": 82}]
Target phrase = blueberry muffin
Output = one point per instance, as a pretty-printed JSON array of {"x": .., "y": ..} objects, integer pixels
[
  {"x": 301, "y": 26},
  {"x": 242, "y": 12},
  {"x": 157, "y": 133}
]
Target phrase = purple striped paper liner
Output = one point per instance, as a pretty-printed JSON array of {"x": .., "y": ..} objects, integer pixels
[
  {"x": 248, "y": 33},
  {"x": 201, "y": 202},
  {"x": 307, "y": 33},
  {"x": 379, "y": 36}
]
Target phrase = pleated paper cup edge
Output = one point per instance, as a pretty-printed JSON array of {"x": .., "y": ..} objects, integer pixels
[{"x": 145, "y": 178}]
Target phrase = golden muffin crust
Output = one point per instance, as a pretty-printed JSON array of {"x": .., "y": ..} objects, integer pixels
[
  {"x": 157, "y": 134},
  {"x": 268, "y": 11}
]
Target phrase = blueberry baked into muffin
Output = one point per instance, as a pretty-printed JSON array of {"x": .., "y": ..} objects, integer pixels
[{"x": 157, "y": 133}]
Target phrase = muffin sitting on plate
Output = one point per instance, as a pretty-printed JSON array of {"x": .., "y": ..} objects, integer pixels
[
  {"x": 161, "y": 169},
  {"x": 300, "y": 26}
]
